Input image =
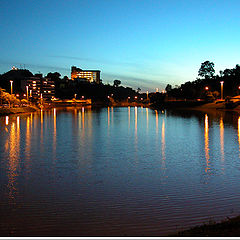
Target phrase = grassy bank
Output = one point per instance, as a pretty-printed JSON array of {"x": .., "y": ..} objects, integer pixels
[
  {"x": 227, "y": 228},
  {"x": 7, "y": 111}
]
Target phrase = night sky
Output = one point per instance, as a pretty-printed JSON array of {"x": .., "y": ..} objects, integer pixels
[{"x": 145, "y": 44}]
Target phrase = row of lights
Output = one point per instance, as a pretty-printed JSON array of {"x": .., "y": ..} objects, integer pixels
[{"x": 222, "y": 82}]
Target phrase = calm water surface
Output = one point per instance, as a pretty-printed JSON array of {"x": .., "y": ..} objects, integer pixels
[{"x": 117, "y": 171}]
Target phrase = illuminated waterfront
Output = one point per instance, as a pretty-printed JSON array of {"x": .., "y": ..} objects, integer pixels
[{"x": 117, "y": 171}]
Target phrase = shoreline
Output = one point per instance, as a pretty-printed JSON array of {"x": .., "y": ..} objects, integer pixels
[
  {"x": 230, "y": 227},
  {"x": 17, "y": 110},
  {"x": 206, "y": 107}
]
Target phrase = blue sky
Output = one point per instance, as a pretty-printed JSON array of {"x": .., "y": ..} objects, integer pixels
[{"x": 144, "y": 43}]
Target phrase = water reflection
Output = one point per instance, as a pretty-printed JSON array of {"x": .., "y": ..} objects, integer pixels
[
  {"x": 129, "y": 115},
  {"x": 95, "y": 169},
  {"x": 239, "y": 133},
  {"x": 221, "y": 126},
  {"x": 136, "y": 121},
  {"x": 54, "y": 130},
  {"x": 206, "y": 138},
  {"x": 108, "y": 115},
  {"x": 28, "y": 145},
  {"x": 13, "y": 147},
  {"x": 163, "y": 145},
  {"x": 147, "y": 117},
  {"x": 83, "y": 119},
  {"x": 156, "y": 112},
  {"x": 41, "y": 136}
]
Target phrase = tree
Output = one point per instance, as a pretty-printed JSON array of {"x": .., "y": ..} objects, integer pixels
[
  {"x": 227, "y": 72},
  {"x": 116, "y": 83},
  {"x": 168, "y": 88},
  {"x": 138, "y": 90},
  {"x": 7, "y": 97},
  {"x": 54, "y": 76},
  {"x": 206, "y": 70},
  {"x": 65, "y": 78}
]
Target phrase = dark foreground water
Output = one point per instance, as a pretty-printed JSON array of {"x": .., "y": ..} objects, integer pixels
[{"x": 117, "y": 171}]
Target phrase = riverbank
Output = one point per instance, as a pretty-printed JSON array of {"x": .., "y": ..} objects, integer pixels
[
  {"x": 197, "y": 105},
  {"x": 132, "y": 104},
  {"x": 8, "y": 111},
  {"x": 227, "y": 228}
]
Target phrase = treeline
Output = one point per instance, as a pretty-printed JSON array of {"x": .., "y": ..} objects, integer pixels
[
  {"x": 208, "y": 85},
  {"x": 65, "y": 88}
]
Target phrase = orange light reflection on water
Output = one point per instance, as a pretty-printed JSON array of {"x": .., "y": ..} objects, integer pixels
[
  {"x": 83, "y": 120},
  {"x": 13, "y": 146},
  {"x": 221, "y": 125},
  {"x": 54, "y": 130},
  {"x": 147, "y": 117},
  {"x": 156, "y": 121},
  {"x": 163, "y": 145},
  {"x": 129, "y": 114},
  {"x": 108, "y": 116},
  {"x": 206, "y": 139},
  {"x": 136, "y": 116},
  {"x": 239, "y": 132},
  {"x": 28, "y": 144}
]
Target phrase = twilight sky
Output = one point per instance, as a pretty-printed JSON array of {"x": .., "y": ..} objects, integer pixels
[{"x": 144, "y": 43}]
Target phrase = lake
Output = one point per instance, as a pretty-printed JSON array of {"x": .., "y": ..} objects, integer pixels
[{"x": 117, "y": 171}]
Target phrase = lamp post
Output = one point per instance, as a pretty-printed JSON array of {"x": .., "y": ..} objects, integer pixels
[
  {"x": 222, "y": 89},
  {"x": 147, "y": 95},
  {"x": 11, "y": 81}
]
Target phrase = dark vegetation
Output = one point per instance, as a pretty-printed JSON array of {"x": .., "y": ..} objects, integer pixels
[
  {"x": 67, "y": 89},
  {"x": 206, "y": 87},
  {"x": 197, "y": 89},
  {"x": 16, "y": 76},
  {"x": 227, "y": 228}
]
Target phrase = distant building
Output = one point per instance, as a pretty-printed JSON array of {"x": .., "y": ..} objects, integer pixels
[
  {"x": 90, "y": 75},
  {"x": 38, "y": 85}
]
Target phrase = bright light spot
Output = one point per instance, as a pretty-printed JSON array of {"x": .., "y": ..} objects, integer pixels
[{"x": 7, "y": 119}]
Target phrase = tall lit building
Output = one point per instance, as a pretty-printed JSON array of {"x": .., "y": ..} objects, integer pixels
[
  {"x": 90, "y": 75},
  {"x": 39, "y": 86}
]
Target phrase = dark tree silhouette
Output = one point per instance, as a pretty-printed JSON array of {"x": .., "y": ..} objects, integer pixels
[
  {"x": 168, "y": 88},
  {"x": 54, "y": 76},
  {"x": 116, "y": 83},
  {"x": 206, "y": 70}
]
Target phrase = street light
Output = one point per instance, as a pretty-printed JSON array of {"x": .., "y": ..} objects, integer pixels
[
  {"x": 222, "y": 89},
  {"x": 206, "y": 88},
  {"x": 147, "y": 95},
  {"x": 11, "y": 81}
]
